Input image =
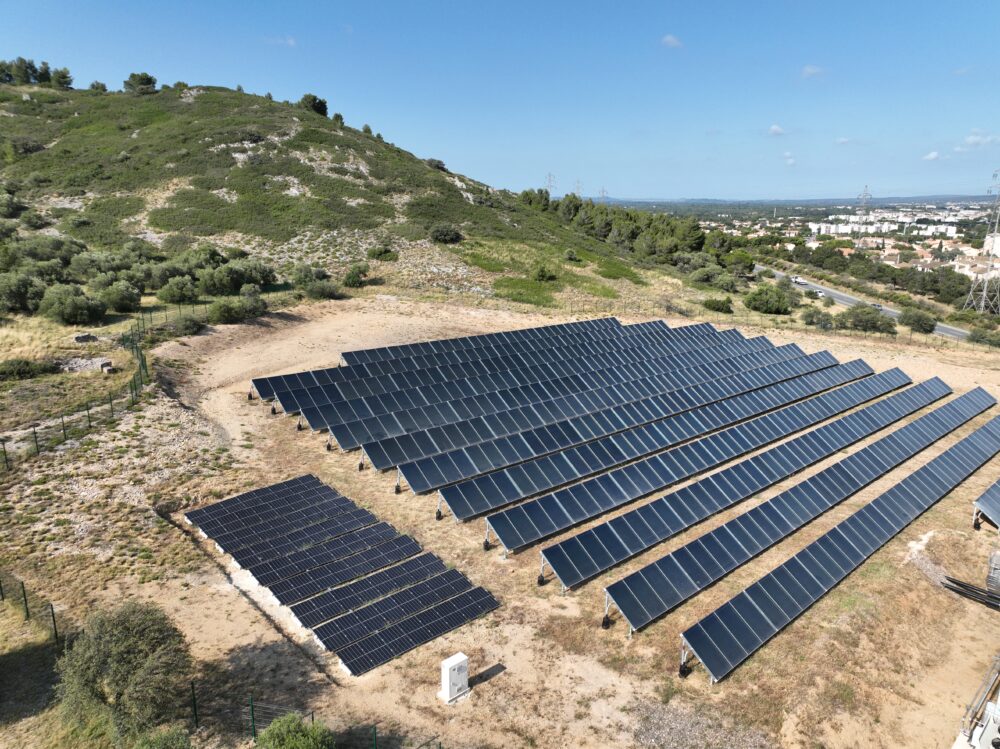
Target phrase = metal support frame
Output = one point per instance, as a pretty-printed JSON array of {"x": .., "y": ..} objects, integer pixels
[
  {"x": 541, "y": 573},
  {"x": 361, "y": 461},
  {"x": 684, "y": 669},
  {"x": 438, "y": 514},
  {"x": 399, "y": 478},
  {"x": 977, "y": 517},
  {"x": 606, "y": 620},
  {"x": 486, "y": 539}
]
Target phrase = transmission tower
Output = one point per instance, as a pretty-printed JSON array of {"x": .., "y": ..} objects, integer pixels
[
  {"x": 984, "y": 295},
  {"x": 550, "y": 182},
  {"x": 577, "y": 188},
  {"x": 604, "y": 195},
  {"x": 862, "y": 211}
]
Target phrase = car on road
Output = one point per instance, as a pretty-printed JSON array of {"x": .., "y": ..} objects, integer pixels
[
  {"x": 819, "y": 294},
  {"x": 877, "y": 306},
  {"x": 799, "y": 280}
]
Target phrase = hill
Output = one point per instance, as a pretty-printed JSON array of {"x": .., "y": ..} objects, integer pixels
[{"x": 165, "y": 172}]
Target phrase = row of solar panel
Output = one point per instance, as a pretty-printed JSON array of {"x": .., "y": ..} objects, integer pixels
[
  {"x": 623, "y": 349},
  {"x": 663, "y": 585},
  {"x": 374, "y": 428},
  {"x": 596, "y": 550},
  {"x": 407, "y": 448},
  {"x": 730, "y": 634},
  {"x": 989, "y": 503},
  {"x": 304, "y": 537},
  {"x": 624, "y": 407},
  {"x": 494, "y": 490},
  {"x": 405, "y": 350},
  {"x": 532, "y": 521},
  {"x": 266, "y": 387},
  {"x": 360, "y": 380},
  {"x": 580, "y": 373}
]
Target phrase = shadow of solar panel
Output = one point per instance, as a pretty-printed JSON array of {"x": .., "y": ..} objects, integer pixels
[
  {"x": 989, "y": 503},
  {"x": 294, "y": 589},
  {"x": 480, "y": 495},
  {"x": 655, "y": 522},
  {"x": 724, "y": 639},
  {"x": 349, "y": 628},
  {"x": 401, "y": 637},
  {"x": 388, "y": 416},
  {"x": 801, "y": 504},
  {"x": 337, "y": 601},
  {"x": 394, "y": 451},
  {"x": 521, "y": 526},
  {"x": 574, "y": 420}
]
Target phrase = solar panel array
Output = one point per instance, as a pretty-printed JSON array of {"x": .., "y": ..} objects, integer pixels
[
  {"x": 989, "y": 503},
  {"x": 596, "y": 550},
  {"x": 663, "y": 585},
  {"x": 367, "y": 592},
  {"x": 729, "y": 635}
]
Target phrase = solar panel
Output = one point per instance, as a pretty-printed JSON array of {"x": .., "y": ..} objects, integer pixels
[
  {"x": 492, "y": 491},
  {"x": 989, "y": 504},
  {"x": 394, "y": 451},
  {"x": 734, "y": 631},
  {"x": 712, "y": 556},
  {"x": 573, "y": 421},
  {"x": 403, "y": 636},
  {"x": 656, "y": 521},
  {"x": 532, "y": 521}
]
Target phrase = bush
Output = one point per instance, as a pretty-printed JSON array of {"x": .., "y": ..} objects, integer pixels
[
  {"x": 229, "y": 311},
  {"x": 67, "y": 304},
  {"x": 173, "y": 738},
  {"x": 768, "y": 299},
  {"x": 140, "y": 84},
  {"x": 20, "y": 292},
  {"x": 766, "y": 273},
  {"x": 230, "y": 277},
  {"x": 314, "y": 104},
  {"x": 34, "y": 220},
  {"x": 322, "y": 289},
  {"x": 984, "y": 336},
  {"x": 291, "y": 732},
  {"x": 249, "y": 289},
  {"x": 542, "y": 273},
  {"x": 302, "y": 275},
  {"x": 811, "y": 294},
  {"x": 817, "y": 318},
  {"x": 446, "y": 234},
  {"x": 572, "y": 257},
  {"x": 865, "y": 318},
  {"x": 718, "y": 305},
  {"x": 436, "y": 164},
  {"x": 917, "y": 320},
  {"x": 178, "y": 290},
  {"x": 132, "y": 662},
  {"x": 355, "y": 276},
  {"x": 827, "y": 301},
  {"x": 121, "y": 296},
  {"x": 185, "y": 325},
  {"x": 383, "y": 252},
  {"x": 25, "y": 369},
  {"x": 726, "y": 282}
]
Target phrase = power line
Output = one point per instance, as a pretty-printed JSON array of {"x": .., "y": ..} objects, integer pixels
[{"x": 984, "y": 294}]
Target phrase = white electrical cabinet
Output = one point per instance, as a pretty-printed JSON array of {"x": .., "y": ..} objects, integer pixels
[{"x": 454, "y": 678}]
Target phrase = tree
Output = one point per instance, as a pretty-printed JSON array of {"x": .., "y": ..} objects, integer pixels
[
  {"x": 917, "y": 320},
  {"x": 718, "y": 305},
  {"x": 121, "y": 296},
  {"x": 44, "y": 74},
  {"x": 314, "y": 104},
  {"x": 291, "y": 732},
  {"x": 338, "y": 119},
  {"x": 865, "y": 318},
  {"x": 817, "y": 318},
  {"x": 768, "y": 299},
  {"x": 66, "y": 303},
  {"x": 446, "y": 234},
  {"x": 436, "y": 164},
  {"x": 130, "y": 661},
  {"x": 101, "y": 88},
  {"x": 367, "y": 129},
  {"x": 23, "y": 71},
  {"x": 355, "y": 276},
  {"x": 178, "y": 290},
  {"x": 61, "y": 78},
  {"x": 140, "y": 84}
]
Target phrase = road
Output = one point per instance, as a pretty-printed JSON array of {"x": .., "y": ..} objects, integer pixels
[{"x": 948, "y": 331}]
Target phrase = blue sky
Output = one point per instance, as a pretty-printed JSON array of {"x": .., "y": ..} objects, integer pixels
[{"x": 647, "y": 100}]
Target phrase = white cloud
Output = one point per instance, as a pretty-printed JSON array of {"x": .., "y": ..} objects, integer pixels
[
  {"x": 671, "y": 41},
  {"x": 978, "y": 138},
  {"x": 281, "y": 41},
  {"x": 932, "y": 156},
  {"x": 842, "y": 141},
  {"x": 789, "y": 158},
  {"x": 776, "y": 130},
  {"x": 811, "y": 71}
]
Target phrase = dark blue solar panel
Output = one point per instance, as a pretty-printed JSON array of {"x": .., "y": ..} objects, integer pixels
[{"x": 989, "y": 503}]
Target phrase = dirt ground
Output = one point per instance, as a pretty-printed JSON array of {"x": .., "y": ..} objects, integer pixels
[{"x": 887, "y": 658}]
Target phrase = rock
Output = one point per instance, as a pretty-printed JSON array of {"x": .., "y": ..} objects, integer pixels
[{"x": 85, "y": 338}]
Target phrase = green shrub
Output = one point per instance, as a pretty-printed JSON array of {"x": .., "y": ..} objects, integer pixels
[
  {"x": 185, "y": 325},
  {"x": 25, "y": 369},
  {"x": 766, "y": 273},
  {"x": 178, "y": 290},
  {"x": 984, "y": 336},
  {"x": 66, "y": 303},
  {"x": 303, "y": 274},
  {"x": 249, "y": 289},
  {"x": 572, "y": 257},
  {"x": 20, "y": 292},
  {"x": 811, "y": 294},
  {"x": 446, "y": 234},
  {"x": 718, "y": 305},
  {"x": 817, "y": 318},
  {"x": 121, "y": 296},
  {"x": 827, "y": 301},
  {"x": 865, "y": 318},
  {"x": 172, "y": 738},
  {"x": 314, "y": 104},
  {"x": 542, "y": 273},
  {"x": 917, "y": 320},
  {"x": 229, "y": 311},
  {"x": 322, "y": 289},
  {"x": 291, "y": 732},
  {"x": 768, "y": 299},
  {"x": 230, "y": 277},
  {"x": 34, "y": 220},
  {"x": 356, "y": 275},
  {"x": 131, "y": 662},
  {"x": 383, "y": 252}
]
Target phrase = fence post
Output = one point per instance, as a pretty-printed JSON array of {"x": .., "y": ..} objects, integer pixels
[
  {"x": 35, "y": 435},
  {"x": 1, "y": 590},
  {"x": 374, "y": 737},
  {"x": 24, "y": 594},
  {"x": 6, "y": 464},
  {"x": 111, "y": 404},
  {"x": 253, "y": 721},
  {"x": 63, "y": 420},
  {"x": 55, "y": 630},
  {"x": 87, "y": 406},
  {"x": 194, "y": 705}
]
